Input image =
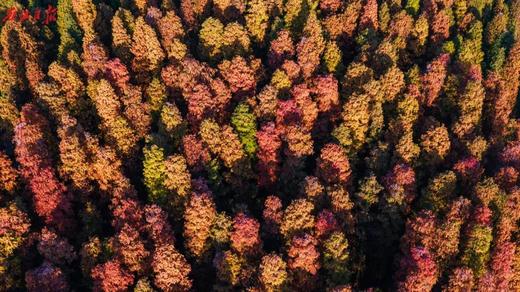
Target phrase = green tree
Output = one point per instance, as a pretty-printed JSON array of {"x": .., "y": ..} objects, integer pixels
[
  {"x": 244, "y": 123},
  {"x": 70, "y": 33},
  {"x": 476, "y": 253},
  {"x": 335, "y": 258},
  {"x": 154, "y": 173},
  {"x": 439, "y": 192}
]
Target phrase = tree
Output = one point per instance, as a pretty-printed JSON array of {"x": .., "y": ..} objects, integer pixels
[
  {"x": 172, "y": 35},
  {"x": 311, "y": 46},
  {"x": 308, "y": 108},
  {"x": 435, "y": 144},
  {"x": 228, "y": 10},
  {"x": 433, "y": 78},
  {"x": 130, "y": 249},
  {"x": 197, "y": 155},
  {"x": 221, "y": 231},
  {"x": 70, "y": 33},
  {"x": 281, "y": 48},
  {"x": 299, "y": 142},
  {"x": 146, "y": 48},
  {"x": 198, "y": 218},
  {"x": 157, "y": 225},
  {"x": 178, "y": 179},
  {"x": 332, "y": 58},
  {"x": 154, "y": 172},
  {"x": 111, "y": 276},
  {"x": 421, "y": 271},
  {"x": 470, "y": 52},
  {"x": 440, "y": 25},
  {"x": 115, "y": 126},
  {"x": 272, "y": 214},
  {"x": 74, "y": 157},
  {"x": 470, "y": 107},
  {"x": 240, "y": 76},
  {"x": 94, "y": 59},
  {"x": 296, "y": 13},
  {"x": 15, "y": 227},
  {"x": 303, "y": 259},
  {"x": 446, "y": 247},
  {"x": 86, "y": 13},
  {"x": 412, "y": 7},
  {"x": 507, "y": 88},
  {"x": 330, "y": 6},
  {"x": 257, "y": 20},
  {"x": 117, "y": 73},
  {"x": 297, "y": 218},
  {"x": 171, "y": 269},
  {"x": 14, "y": 231},
  {"x": 392, "y": 82},
  {"x": 122, "y": 26},
  {"x": 52, "y": 201},
  {"x": 210, "y": 36},
  {"x": 461, "y": 279},
  {"x": 20, "y": 51},
  {"x": 335, "y": 259},
  {"x": 245, "y": 237},
  {"x": 46, "y": 277},
  {"x": 55, "y": 249},
  {"x": 236, "y": 40},
  {"x": 229, "y": 266},
  {"x": 222, "y": 141},
  {"x": 193, "y": 10},
  {"x": 439, "y": 191},
  {"x": 400, "y": 185},
  {"x": 273, "y": 272},
  {"x": 333, "y": 165},
  {"x": 369, "y": 190},
  {"x": 501, "y": 265},
  {"x": 244, "y": 122},
  {"x": 265, "y": 109},
  {"x": 8, "y": 174},
  {"x": 351, "y": 133},
  {"x": 369, "y": 18}
]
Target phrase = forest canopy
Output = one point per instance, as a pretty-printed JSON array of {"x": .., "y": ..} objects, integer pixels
[{"x": 260, "y": 145}]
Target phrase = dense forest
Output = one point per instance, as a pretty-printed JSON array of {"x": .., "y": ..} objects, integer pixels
[{"x": 260, "y": 145}]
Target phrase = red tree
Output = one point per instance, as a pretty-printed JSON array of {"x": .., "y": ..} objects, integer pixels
[
  {"x": 111, "y": 276},
  {"x": 51, "y": 199},
  {"x": 245, "y": 237}
]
